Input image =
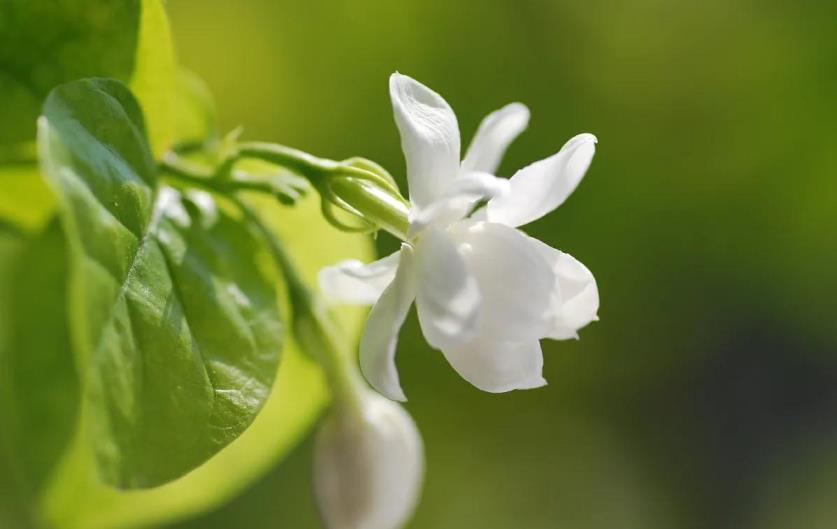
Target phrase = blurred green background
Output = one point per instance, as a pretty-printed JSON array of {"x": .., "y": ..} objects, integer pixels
[{"x": 707, "y": 395}]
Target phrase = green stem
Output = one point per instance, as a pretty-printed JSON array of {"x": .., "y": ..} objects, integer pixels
[
  {"x": 360, "y": 189},
  {"x": 294, "y": 160},
  {"x": 313, "y": 328},
  {"x": 354, "y": 189},
  {"x": 198, "y": 176}
]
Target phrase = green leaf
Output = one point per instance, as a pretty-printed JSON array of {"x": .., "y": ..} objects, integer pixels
[
  {"x": 41, "y": 386},
  {"x": 25, "y": 199},
  {"x": 12, "y": 242},
  {"x": 13, "y": 507},
  {"x": 174, "y": 323},
  {"x": 78, "y": 501},
  {"x": 44, "y": 44},
  {"x": 38, "y": 382},
  {"x": 154, "y": 77},
  {"x": 195, "y": 119},
  {"x": 15, "y": 501}
]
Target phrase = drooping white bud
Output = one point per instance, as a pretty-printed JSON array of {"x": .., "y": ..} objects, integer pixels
[{"x": 368, "y": 465}]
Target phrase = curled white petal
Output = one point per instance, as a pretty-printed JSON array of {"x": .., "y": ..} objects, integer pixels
[
  {"x": 352, "y": 281},
  {"x": 447, "y": 297},
  {"x": 496, "y": 366},
  {"x": 368, "y": 466},
  {"x": 514, "y": 280},
  {"x": 575, "y": 293},
  {"x": 377, "y": 345},
  {"x": 429, "y": 137},
  {"x": 493, "y": 137},
  {"x": 542, "y": 186}
]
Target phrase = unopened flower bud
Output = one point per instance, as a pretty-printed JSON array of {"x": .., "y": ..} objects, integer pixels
[
  {"x": 368, "y": 465},
  {"x": 367, "y": 190}
]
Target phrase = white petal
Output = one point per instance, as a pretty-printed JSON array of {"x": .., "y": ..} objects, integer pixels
[
  {"x": 457, "y": 201},
  {"x": 447, "y": 297},
  {"x": 496, "y": 366},
  {"x": 368, "y": 466},
  {"x": 478, "y": 185},
  {"x": 377, "y": 345},
  {"x": 543, "y": 186},
  {"x": 493, "y": 137},
  {"x": 575, "y": 293},
  {"x": 429, "y": 137},
  {"x": 351, "y": 281},
  {"x": 514, "y": 279}
]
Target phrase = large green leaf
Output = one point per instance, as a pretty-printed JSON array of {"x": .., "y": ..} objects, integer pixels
[
  {"x": 39, "y": 395},
  {"x": 13, "y": 500},
  {"x": 79, "y": 501},
  {"x": 12, "y": 242},
  {"x": 25, "y": 199},
  {"x": 194, "y": 116},
  {"x": 42, "y": 386},
  {"x": 175, "y": 324},
  {"x": 154, "y": 77},
  {"x": 44, "y": 44}
]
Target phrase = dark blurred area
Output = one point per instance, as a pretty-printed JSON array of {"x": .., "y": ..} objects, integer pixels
[{"x": 707, "y": 395}]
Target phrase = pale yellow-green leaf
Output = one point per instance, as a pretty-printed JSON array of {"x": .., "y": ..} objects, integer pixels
[
  {"x": 195, "y": 110},
  {"x": 25, "y": 200},
  {"x": 153, "y": 81}
]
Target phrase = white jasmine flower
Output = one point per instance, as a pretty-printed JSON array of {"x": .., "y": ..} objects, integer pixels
[
  {"x": 486, "y": 293},
  {"x": 368, "y": 465}
]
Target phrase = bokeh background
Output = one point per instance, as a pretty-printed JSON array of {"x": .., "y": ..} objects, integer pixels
[{"x": 707, "y": 395}]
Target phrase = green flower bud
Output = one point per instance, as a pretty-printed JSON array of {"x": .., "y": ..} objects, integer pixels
[{"x": 364, "y": 189}]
